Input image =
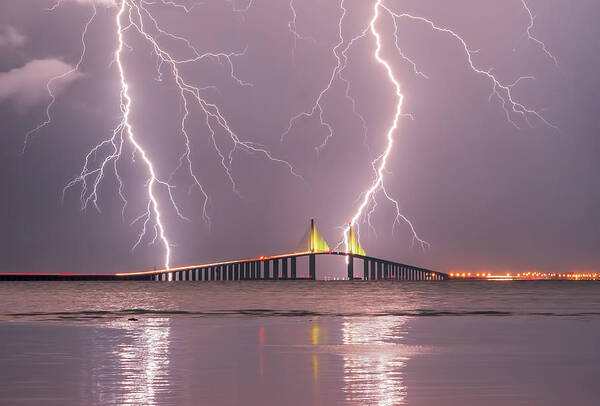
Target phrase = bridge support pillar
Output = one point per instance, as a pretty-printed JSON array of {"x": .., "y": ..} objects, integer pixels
[
  {"x": 266, "y": 269},
  {"x": 350, "y": 259},
  {"x": 379, "y": 271},
  {"x": 365, "y": 269},
  {"x": 284, "y": 268},
  {"x": 312, "y": 266},
  {"x": 293, "y": 266},
  {"x": 276, "y": 268}
]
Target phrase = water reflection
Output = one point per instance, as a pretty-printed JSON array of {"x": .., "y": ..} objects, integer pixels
[
  {"x": 135, "y": 369},
  {"x": 159, "y": 361},
  {"x": 261, "y": 354},
  {"x": 373, "y": 369}
]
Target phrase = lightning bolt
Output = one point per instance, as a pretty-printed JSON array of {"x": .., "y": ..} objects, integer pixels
[
  {"x": 530, "y": 36},
  {"x": 380, "y": 162},
  {"x": 316, "y": 109},
  {"x": 136, "y": 16},
  {"x": 53, "y": 80},
  {"x": 126, "y": 109},
  {"x": 502, "y": 91}
]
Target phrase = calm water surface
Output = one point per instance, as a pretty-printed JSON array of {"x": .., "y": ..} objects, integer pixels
[{"x": 300, "y": 343}]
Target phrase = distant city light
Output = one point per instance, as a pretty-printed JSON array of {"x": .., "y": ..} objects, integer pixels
[{"x": 531, "y": 275}]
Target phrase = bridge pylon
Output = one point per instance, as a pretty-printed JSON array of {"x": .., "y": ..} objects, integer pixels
[
  {"x": 312, "y": 242},
  {"x": 353, "y": 247},
  {"x": 352, "y": 244}
]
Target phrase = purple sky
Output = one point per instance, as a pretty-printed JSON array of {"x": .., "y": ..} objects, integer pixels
[{"x": 483, "y": 193}]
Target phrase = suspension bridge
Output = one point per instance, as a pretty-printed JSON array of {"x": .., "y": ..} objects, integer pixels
[{"x": 275, "y": 267}]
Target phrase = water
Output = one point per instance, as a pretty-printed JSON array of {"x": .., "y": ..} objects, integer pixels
[{"x": 300, "y": 343}]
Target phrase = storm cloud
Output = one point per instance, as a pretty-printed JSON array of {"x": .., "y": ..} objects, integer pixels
[
  {"x": 27, "y": 85},
  {"x": 11, "y": 38}
]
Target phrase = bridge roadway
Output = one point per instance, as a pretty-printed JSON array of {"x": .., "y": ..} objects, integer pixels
[{"x": 276, "y": 267}]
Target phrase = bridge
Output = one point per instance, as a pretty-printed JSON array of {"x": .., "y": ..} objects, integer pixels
[{"x": 275, "y": 267}]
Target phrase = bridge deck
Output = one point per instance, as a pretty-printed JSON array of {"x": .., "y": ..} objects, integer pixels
[{"x": 262, "y": 268}]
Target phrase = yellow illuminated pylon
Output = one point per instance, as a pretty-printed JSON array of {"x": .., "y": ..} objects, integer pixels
[
  {"x": 312, "y": 240},
  {"x": 354, "y": 246},
  {"x": 316, "y": 242}
]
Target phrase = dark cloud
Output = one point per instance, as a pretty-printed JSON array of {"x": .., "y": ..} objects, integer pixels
[
  {"x": 11, "y": 38},
  {"x": 26, "y": 86}
]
